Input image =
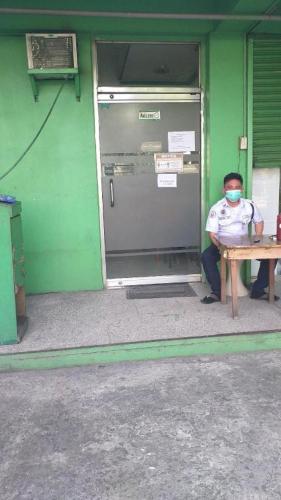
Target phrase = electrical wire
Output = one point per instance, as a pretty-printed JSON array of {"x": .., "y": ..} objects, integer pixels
[{"x": 36, "y": 136}]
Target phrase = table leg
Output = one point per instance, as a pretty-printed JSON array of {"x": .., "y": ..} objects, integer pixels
[
  {"x": 271, "y": 280},
  {"x": 233, "y": 272},
  {"x": 223, "y": 280}
]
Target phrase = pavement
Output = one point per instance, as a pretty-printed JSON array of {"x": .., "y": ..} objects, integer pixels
[
  {"x": 63, "y": 320},
  {"x": 177, "y": 429}
]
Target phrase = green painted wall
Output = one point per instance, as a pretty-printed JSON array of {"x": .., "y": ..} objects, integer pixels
[
  {"x": 152, "y": 28},
  {"x": 178, "y": 6},
  {"x": 56, "y": 181},
  {"x": 226, "y": 110}
]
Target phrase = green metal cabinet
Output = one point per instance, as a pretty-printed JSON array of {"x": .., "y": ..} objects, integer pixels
[{"x": 13, "y": 321}]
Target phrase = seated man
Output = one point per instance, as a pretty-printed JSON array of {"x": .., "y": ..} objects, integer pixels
[{"x": 231, "y": 217}]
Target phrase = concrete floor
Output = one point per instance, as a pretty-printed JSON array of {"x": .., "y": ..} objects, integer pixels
[
  {"x": 60, "y": 320},
  {"x": 177, "y": 429}
]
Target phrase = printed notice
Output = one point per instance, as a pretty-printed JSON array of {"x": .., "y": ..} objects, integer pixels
[
  {"x": 167, "y": 180},
  {"x": 183, "y": 142},
  {"x": 168, "y": 162}
]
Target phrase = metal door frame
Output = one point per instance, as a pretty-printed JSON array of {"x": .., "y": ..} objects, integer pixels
[{"x": 167, "y": 94}]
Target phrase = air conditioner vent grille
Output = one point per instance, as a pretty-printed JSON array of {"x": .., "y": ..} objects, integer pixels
[{"x": 52, "y": 52}]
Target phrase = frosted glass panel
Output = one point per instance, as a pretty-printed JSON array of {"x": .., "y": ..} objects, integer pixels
[
  {"x": 149, "y": 230},
  {"x": 266, "y": 182}
]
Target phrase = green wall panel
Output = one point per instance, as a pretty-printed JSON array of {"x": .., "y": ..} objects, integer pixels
[
  {"x": 226, "y": 110},
  {"x": 56, "y": 181}
]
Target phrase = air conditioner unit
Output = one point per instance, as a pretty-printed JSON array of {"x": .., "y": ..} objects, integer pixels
[
  {"x": 50, "y": 51},
  {"x": 52, "y": 55}
]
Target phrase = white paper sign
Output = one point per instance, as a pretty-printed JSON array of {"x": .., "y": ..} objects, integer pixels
[
  {"x": 181, "y": 141},
  {"x": 168, "y": 162},
  {"x": 167, "y": 180}
]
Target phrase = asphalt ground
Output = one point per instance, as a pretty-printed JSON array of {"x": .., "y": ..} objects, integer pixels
[{"x": 178, "y": 429}]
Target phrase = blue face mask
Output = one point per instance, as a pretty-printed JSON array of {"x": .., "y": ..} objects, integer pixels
[{"x": 233, "y": 195}]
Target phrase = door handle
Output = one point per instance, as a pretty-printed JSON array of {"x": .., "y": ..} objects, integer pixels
[{"x": 111, "y": 191}]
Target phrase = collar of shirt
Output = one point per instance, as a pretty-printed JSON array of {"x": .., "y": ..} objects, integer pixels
[{"x": 241, "y": 203}]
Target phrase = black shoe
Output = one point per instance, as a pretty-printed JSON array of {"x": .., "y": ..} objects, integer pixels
[
  {"x": 264, "y": 296},
  {"x": 210, "y": 299}
]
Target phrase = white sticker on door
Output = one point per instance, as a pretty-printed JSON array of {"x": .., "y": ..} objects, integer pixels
[
  {"x": 167, "y": 180},
  {"x": 149, "y": 115},
  {"x": 168, "y": 162}
]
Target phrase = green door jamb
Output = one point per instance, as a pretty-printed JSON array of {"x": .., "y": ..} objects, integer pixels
[{"x": 250, "y": 78}]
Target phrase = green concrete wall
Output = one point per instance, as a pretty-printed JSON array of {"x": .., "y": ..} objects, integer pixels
[
  {"x": 56, "y": 181},
  {"x": 226, "y": 110}
]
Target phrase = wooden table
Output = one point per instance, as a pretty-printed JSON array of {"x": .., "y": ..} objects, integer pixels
[{"x": 237, "y": 248}]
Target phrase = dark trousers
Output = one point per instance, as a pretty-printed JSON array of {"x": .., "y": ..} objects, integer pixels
[{"x": 210, "y": 258}]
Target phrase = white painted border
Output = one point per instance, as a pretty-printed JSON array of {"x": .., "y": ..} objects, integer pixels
[
  {"x": 98, "y": 162},
  {"x": 152, "y": 280}
]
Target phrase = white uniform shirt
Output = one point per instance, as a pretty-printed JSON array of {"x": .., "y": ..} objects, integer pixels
[{"x": 225, "y": 220}]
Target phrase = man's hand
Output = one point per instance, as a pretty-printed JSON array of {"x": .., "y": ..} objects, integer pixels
[{"x": 213, "y": 238}]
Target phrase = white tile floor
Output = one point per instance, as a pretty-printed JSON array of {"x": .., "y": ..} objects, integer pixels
[{"x": 60, "y": 320}]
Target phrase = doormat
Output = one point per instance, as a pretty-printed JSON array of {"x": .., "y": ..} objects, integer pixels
[{"x": 160, "y": 291}]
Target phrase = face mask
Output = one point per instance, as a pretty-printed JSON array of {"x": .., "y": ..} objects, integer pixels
[{"x": 233, "y": 195}]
